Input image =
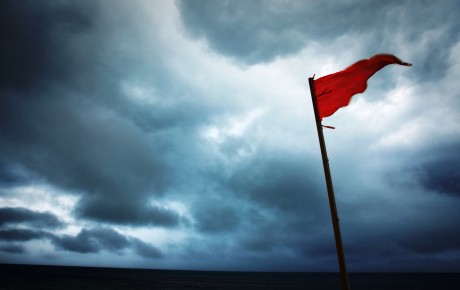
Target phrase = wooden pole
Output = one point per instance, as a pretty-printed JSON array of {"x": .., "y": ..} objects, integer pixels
[{"x": 330, "y": 192}]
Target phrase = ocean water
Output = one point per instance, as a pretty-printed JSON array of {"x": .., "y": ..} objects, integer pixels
[{"x": 87, "y": 278}]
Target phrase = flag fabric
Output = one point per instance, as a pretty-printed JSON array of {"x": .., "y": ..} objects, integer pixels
[{"x": 335, "y": 91}]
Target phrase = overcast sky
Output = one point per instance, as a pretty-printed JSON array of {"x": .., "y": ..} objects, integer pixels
[{"x": 181, "y": 135}]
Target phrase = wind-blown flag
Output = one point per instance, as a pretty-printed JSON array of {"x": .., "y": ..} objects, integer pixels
[{"x": 335, "y": 91}]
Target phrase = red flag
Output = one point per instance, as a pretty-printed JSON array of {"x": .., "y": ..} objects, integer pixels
[{"x": 335, "y": 91}]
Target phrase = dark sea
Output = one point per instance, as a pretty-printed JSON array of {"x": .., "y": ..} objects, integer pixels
[{"x": 87, "y": 278}]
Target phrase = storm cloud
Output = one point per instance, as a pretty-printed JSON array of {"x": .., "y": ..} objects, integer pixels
[
  {"x": 12, "y": 215},
  {"x": 98, "y": 239},
  {"x": 20, "y": 235},
  {"x": 280, "y": 29},
  {"x": 179, "y": 134},
  {"x": 51, "y": 119}
]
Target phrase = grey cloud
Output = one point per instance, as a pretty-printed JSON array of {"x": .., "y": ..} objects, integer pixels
[
  {"x": 12, "y": 249},
  {"x": 68, "y": 120},
  {"x": 213, "y": 216},
  {"x": 128, "y": 212},
  {"x": 21, "y": 235},
  {"x": 64, "y": 118},
  {"x": 104, "y": 239},
  {"x": 232, "y": 29},
  {"x": 107, "y": 238},
  {"x": 30, "y": 33},
  {"x": 379, "y": 232},
  {"x": 439, "y": 239},
  {"x": 19, "y": 215},
  {"x": 258, "y": 243},
  {"x": 92, "y": 241},
  {"x": 146, "y": 250},
  {"x": 434, "y": 167},
  {"x": 278, "y": 180},
  {"x": 11, "y": 175},
  {"x": 270, "y": 204},
  {"x": 441, "y": 172},
  {"x": 306, "y": 237},
  {"x": 113, "y": 159},
  {"x": 259, "y": 31},
  {"x": 282, "y": 185},
  {"x": 79, "y": 244},
  {"x": 403, "y": 243},
  {"x": 265, "y": 237}
]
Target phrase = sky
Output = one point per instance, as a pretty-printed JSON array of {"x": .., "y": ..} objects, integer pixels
[{"x": 181, "y": 135}]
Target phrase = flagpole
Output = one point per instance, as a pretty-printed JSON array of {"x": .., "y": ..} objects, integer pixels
[{"x": 330, "y": 191}]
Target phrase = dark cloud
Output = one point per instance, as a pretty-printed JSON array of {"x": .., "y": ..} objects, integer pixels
[
  {"x": 271, "y": 203},
  {"x": 442, "y": 173},
  {"x": 19, "y": 215},
  {"x": 12, "y": 249},
  {"x": 99, "y": 101},
  {"x": 104, "y": 239},
  {"x": 441, "y": 238},
  {"x": 281, "y": 181},
  {"x": 306, "y": 238},
  {"x": 21, "y": 235},
  {"x": 129, "y": 213},
  {"x": 65, "y": 119},
  {"x": 146, "y": 250},
  {"x": 213, "y": 216},
  {"x": 404, "y": 242},
  {"x": 278, "y": 29},
  {"x": 32, "y": 45},
  {"x": 232, "y": 29},
  {"x": 92, "y": 241},
  {"x": 434, "y": 167},
  {"x": 379, "y": 232},
  {"x": 11, "y": 175},
  {"x": 113, "y": 160},
  {"x": 79, "y": 244},
  {"x": 107, "y": 238}
]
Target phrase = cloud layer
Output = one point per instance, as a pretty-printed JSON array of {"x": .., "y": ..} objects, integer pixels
[{"x": 164, "y": 135}]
